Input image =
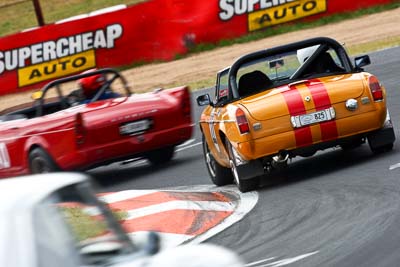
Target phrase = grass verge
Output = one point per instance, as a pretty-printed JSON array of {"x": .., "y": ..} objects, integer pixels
[
  {"x": 17, "y": 15},
  {"x": 85, "y": 226}
]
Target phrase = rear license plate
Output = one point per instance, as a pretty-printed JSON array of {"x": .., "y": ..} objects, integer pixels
[
  {"x": 136, "y": 127},
  {"x": 312, "y": 118}
]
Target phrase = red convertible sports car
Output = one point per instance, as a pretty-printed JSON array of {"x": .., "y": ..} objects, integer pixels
[{"x": 78, "y": 131}]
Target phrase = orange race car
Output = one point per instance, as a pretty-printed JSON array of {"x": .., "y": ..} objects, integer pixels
[{"x": 287, "y": 101}]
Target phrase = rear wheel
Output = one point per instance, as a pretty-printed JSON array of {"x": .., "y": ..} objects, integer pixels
[
  {"x": 41, "y": 162},
  {"x": 161, "y": 156},
  {"x": 382, "y": 149},
  {"x": 244, "y": 185},
  {"x": 219, "y": 174},
  {"x": 382, "y": 140}
]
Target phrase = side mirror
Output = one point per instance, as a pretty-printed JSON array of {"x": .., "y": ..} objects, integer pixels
[
  {"x": 153, "y": 243},
  {"x": 149, "y": 242},
  {"x": 203, "y": 100},
  {"x": 362, "y": 61}
]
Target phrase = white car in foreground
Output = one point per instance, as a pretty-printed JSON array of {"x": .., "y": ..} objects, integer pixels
[{"x": 56, "y": 219}]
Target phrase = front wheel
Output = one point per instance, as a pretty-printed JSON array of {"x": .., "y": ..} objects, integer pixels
[
  {"x": 244, "y": 185},
  {"x": 161, "y": 156},
  {"x": 41, "y": 162},
  {"x": 219, "y": 174}
]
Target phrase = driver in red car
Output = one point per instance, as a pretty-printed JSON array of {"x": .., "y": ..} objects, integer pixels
[{"x": 89, "y": 87}]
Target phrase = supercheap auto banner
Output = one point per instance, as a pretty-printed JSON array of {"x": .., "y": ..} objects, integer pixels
[{"x": 153, "y": 30}]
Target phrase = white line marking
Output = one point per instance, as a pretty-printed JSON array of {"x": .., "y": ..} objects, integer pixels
[
  {"x": 181, "y": 147},
  {"x": 138, "y": 162},
  {"x": 394, "y": 166},
  {"x": 258, "y": 262},
  {"x": 195, "y": 188},
  {"x": 288, "y": 260},
  {"x": 187, "y": 142},
  {"x": 124, "y": 195},
  {"x": 186, "y": 147},
  {"x": 180, "y": 205}
]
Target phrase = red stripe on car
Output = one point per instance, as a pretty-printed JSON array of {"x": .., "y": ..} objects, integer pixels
[
  {"x": 295, "y": 105},
  {"x": 322, "y": 101}
]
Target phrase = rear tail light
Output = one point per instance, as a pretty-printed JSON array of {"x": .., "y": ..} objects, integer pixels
[
  {"x": 182, "y": 95},
  {"x": 376, "y": 88},
  {"x": 79, "y": 129},
  {"x": 242, "y": 121},
  {"x": 186, "y": 104}
]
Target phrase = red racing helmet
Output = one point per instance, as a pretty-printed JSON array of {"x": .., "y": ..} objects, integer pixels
[{"x": 91, "y": 84}]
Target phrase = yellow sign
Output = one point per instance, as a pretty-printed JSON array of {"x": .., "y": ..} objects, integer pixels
[
  {"x": 56, "y": 68},
  {"x": 284, "y": 13}
]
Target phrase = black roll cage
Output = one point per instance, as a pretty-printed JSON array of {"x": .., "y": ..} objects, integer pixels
[
  {"x": 324, "y": 42},
  {"x": 39, "y": 103}
]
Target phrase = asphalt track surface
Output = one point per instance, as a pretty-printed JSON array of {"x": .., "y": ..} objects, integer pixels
[{"x": 337, "y": 208}]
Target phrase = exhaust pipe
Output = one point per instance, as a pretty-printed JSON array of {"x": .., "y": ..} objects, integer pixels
[{"x": 280, "y": 161}]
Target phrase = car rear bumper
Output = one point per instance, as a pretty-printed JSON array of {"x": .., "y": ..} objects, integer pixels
[
  {"x": 125, "y": 148},
  {"x": 356, "y": 126}
]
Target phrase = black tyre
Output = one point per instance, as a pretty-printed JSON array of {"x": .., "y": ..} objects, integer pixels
[
  {"x": 382, "y": 140},
  {"x": 161, "y": 156},
  {"x": 249, "y": 184},
  {"x": 382, "y": 149},
  {"x": 244, "y": 185},
  {"x": 41, "y": 162},
  {"x": 219, "y": 174}
]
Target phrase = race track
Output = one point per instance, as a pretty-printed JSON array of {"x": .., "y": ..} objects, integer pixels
[{"x": 338, "y": 208}]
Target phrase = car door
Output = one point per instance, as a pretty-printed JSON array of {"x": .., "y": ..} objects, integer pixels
[{"x": 11, "y": 147}]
